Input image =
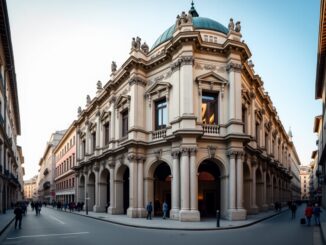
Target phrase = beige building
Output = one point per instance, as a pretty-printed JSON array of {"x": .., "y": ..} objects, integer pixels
[
  {"x": 11, "y": 171},
  {"x": 320, "y": 93},
  {"x": 45, "y": 181},
  {"x": 65, "y": 160},
  {"x": 305, "y": 180},
  {"x": 30, "y": 192},
  {"x": 189, "y": 122}
]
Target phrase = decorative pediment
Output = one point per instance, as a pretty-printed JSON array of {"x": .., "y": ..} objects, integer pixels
[
  {"x": 259, "y": 114},
  {"x": 211, "y": 78},
  {"x": 158, "y": 87},
  {"x": 245, "y": 95},
  {"x": 105, "y": 115},
  {"x": 122, "y": 99}
]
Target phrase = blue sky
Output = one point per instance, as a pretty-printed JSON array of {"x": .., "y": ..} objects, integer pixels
[{"x": 62, "y": 48}]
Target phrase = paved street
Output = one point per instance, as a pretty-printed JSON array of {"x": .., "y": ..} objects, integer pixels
[{"x": 55, "y": 227}]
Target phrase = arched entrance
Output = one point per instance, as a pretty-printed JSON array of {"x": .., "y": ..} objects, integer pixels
[
  {"x": 91, "y": 191},
  {"x": 162, "y": 187},
  {"x": 104, "y": 189},
  {"x": 247, "y": 186},
  {"x": 209, "y": 195},
  {"x": 259, "y": 188},
  {"x": 81, "y": 189}
]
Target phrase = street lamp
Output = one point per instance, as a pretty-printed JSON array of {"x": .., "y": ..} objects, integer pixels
[{"x": 87, "y": 198}]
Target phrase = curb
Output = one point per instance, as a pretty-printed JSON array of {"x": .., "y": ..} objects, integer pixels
[
  {"x": 4, "y": 229},
  {"x": 182, "y": 229}
]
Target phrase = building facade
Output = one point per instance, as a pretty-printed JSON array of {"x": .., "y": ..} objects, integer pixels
[
  {"x": 30, "y": 193},
  {"x": 320, "y": 93},
  {"x": 65, "y": 158},
  {"x": 46, "y": 185},
  {"x": 187, "y": 122},
  {"x": 304, "y": 179},
  {"x": 10, "y": 161}
]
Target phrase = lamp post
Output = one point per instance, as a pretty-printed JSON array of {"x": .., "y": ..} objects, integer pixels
[{"x": 87, "y": 198}]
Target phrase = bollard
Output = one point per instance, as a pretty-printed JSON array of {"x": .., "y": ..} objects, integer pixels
[{"x": 218, "y": 218}]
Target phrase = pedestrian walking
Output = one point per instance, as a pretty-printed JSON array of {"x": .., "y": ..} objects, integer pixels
[
  {"x": 18, "y": 216},
  {"x": 165, "y": 208},
  {"x": 149, "y": 209},
  {"x": 293, "y": 208},
  {"x": 308, "y": 213},
  {"x": 317, "y": 212}
]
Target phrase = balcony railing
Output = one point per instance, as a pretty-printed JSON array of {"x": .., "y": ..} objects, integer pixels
[
  {"x": 159, "y": 134},
  {"x": 211, "y": 129}
]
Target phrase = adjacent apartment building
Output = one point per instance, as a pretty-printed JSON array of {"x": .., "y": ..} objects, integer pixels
[
  {"x": 11, "y": 157},
  {"x": 188, "y": 122},
  {"x": 65, "y": 160},
  {"x": 30, "y": 193},
  {"x": 320, "y": 93}
]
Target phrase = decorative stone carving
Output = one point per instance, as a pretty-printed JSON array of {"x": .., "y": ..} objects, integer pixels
[
  {"x": 133, "y": 43},
  {"x": 251, "y": 64},
  {"x": 138, "y": 42},
  {"x": 192, "y": 151},
  {"x": 210, "y": 67},
  {"x": 237, "y": 26},
  {"x": 132, "y": 156},
  {"x": 79, "y": 110},
  {"x": 183, "y": 19},
  {"x": 99, "y": 85},
  {"x": 231, "y": 154},
  {"x": 88, "y": 100},
  {"x": 113, "y": 67},
  {"x": 231, "y": 25},
  {"x": 137, "y": 80},
  {"x": 175, "y": 154},
  {"x": 145, "y": 48},
  {"x": 185, "y": 151},
  {"x": 183, "y": 60},
  {"x": 233, "y": 67},
  {"x": 96, "y": 167},
  {"x": 158, "y": 154},
  {"x": 211, "y": 151}
]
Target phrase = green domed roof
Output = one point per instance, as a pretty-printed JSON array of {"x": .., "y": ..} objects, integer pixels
[{"x": 198, "y": 23}]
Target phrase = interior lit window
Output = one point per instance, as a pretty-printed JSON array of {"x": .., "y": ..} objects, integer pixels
[{"x": 209, "y": 108}]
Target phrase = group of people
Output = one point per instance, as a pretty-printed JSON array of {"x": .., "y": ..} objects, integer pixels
[
  {"x": 312, "y": 211},
  {"x": 149, "y": 209},
  {"x": 72, "y": 206}
]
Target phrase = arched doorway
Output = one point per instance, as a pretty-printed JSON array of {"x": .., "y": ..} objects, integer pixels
[
  {"x": 259, "y": 188},
  {"x": 81, "y": 189},
  {"x": 209, "y": 195},
  {"x": 104, "y": 190},
  {"x": 247, "y": 186},
  {"x": 91, "y": 191},
  {"x": 162, "y": 187}
]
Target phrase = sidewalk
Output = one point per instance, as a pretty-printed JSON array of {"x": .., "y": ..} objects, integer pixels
[
  {"x": 323, "y": 225},
  {"x": 168, "y": 224},
  {"x": 6, "y": 219}
]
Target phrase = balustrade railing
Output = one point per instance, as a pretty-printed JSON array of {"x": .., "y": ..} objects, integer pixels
[
  {"x": 159, "y": 134},
  {"x": 211, "y": 129}
]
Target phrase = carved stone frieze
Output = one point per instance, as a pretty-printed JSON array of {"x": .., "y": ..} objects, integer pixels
[
  {"x": 158, "y": 154},
  {"x": 183, "y": 60},
  {"x": 137, "y": 80},
  {"x": 211, "y": 151},
  {"x": 233, "y": 67}
]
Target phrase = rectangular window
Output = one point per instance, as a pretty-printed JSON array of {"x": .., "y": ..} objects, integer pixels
[
  {"x": 106, "y": 133},
  {"x": 244, "y": 115},
  {"x": 73, "y": 159},
  {"x": 94, "y": 141},
  {"x": 161, "y": 114},
  {"x": 266, "y": 142},
  {"x": 209, "y": 108},
  {"x": 124, "y": 116},
  {"x": 84, "y": 147},
  {"x": 257, "y": 133},
  {"x": 73, "y": 182}
]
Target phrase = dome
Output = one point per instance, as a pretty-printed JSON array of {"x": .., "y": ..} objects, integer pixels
[{"x": 198, "y": 23}]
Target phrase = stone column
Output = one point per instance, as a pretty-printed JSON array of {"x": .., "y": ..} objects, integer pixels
[
  {"x": 174, "y": 212},
  {"x": 132, "y": 210},
  {"x": 254, "y": 165},
  {"x": 240, "y": 185},
  {"x": 112, "y": 207},
  {"x": 98, "y": 130},
  {"x": 264, "y": 206},
  {"x": 97, "y": 206},
  {"x": 185, "y": 185},
  {"x": 141, "y": 206},
  {"x": 232, "y": 182},
  {"x": 194, "y": 186},
  {"x": 87, "y": 140}
]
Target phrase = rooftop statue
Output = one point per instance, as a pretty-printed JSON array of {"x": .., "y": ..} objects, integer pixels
[
  {"x": 145, "y": 48},
  {"x": 231, "y": 25},
  {"x": 138, "y": 41},
  {"x": 88, "y": 99},
  {"x": 133, "y": 43},
  {"x": 79, "y": 110},
  {"x": 237, "y": 26},
  {"x": 99, "y": 85},
  {"x": 113, "y": 67}
]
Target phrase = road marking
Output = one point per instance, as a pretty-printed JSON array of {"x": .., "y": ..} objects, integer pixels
[
  {"x": 52, "y": 217},
  {"x": 47, "y": 235}
]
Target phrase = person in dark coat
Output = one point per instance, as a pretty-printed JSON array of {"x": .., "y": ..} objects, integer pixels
[
  {"x": 149, "y": 209},
  {"x": 18, "y": 216}
]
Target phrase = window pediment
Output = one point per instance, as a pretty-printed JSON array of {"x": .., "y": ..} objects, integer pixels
[
  {"x": 122, "y": 100},
  {"x": 105, "y": 115},
  {"x": 158, "y": 87},
  {"x": 212, "y": 78}
]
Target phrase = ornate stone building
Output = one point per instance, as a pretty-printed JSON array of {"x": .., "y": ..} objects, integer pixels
[
  {"x": 65, "y": 160},
  {"x": 11, "y": 171},
  {"x": 30, "y": 192},
  {"x": 189, "y": 122},
  {"x": 320, "y": 93}
]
